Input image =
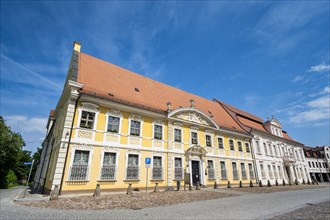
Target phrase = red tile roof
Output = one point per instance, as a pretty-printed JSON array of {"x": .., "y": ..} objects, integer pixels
[{"x": 99, "y": 78}]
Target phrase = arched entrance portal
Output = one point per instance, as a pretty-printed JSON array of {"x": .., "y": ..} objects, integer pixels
[{"x": 195, "y": 156}]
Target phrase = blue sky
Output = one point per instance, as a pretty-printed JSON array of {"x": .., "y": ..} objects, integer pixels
[{"x": 265, "y": 57}]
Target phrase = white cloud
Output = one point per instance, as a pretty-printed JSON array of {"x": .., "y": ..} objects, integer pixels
[
  {"x": 315, "y": 112},
  {"x": 32, "y": 129},
  {"x": 24, "y": 124},
  {"x": 320, "y": 68},
  {"x": 297, "y": 79}
]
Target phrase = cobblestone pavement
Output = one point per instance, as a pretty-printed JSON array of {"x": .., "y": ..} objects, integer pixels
[
  {"x": 310, "y": 211},
  {"x": 266, "y": 189},
  {"x": 246, "y": 205},
  {"x": 123, "y": 201}
]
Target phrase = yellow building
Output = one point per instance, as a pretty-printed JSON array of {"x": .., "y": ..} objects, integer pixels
[{"x": 109, "y": 120}]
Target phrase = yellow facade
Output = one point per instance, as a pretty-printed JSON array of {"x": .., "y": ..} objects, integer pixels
[{"x": 96, "y": 144}]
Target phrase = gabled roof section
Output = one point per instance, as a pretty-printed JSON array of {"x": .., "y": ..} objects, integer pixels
[
  {"x": 104, "y": 79},
  {"x": 250, "y": 122}
]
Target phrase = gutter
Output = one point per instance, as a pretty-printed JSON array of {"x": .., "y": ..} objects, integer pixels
[{"x": 69, "y": 142}]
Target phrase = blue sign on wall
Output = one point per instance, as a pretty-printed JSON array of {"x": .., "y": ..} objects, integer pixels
[
  {"x": 27, "y": 163},
  {"x": 148, "y": 160}
]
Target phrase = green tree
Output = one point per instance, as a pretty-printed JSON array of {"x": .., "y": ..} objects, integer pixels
[
  {"x": 11, "y": 145},
  {"x": 36, "y": 157}
]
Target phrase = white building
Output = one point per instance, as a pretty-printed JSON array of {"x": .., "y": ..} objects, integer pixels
[
  {"x": 318, "y": 159},
  {"x": 276, "y": 155}
]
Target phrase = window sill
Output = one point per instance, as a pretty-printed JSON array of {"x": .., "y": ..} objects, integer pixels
[
  {"x": 74, "y": 181},
  {"x": 211, "y": 179},
  {"x": 107, "y": 181},
  {"x": 133, "y": 180},
  {"x": 157, "y": 179}
]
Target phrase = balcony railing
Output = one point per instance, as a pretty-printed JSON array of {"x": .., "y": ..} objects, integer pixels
[
  {"x": 132, "y": 173},
  {"x": 157, "y": 173},
  {"x": 235, "y": 174},
  {"x": 224, "y": 174},
  {"x": 78, "y": 172},
  {"x": 211, "y": 173},
  {"x": 108, "y": 172},
  {"x": 178, "y": 173}
]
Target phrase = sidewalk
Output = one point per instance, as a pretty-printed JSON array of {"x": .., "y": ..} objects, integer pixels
[{"x": 30, "y": 196}]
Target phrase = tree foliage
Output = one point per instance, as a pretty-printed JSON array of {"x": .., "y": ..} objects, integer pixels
[{"x": 11, "y": 154}]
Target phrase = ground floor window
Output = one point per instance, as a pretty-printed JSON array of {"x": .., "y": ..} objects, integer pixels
[
  {"x": 79, "y": 168},
  {"x": 108, "y": 171},
  {"x": 235, "y": 171},
  {"x": 210, "y": 169},
  {"x": 157, "y": 169},
  {"x": 223, "y": 170},
  {"x": 243, "y": 171},
  {"x": 251, "y": 171},
  {"x": 132, "y": 171},
  {"x": 178, "y": 170}
]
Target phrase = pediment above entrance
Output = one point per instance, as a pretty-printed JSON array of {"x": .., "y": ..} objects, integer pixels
[
  {"x": 196, "y": 150},
  {"x": 193, "y": 116}
]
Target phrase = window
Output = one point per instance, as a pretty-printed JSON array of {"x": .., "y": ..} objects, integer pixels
[
  {"x": 258, "y": 147},
  {"x": 251, "y": 171},
  {"x": 270, "y": 172},
  {"x": 87, "y": 120},
  {"x": 79, "y": 169},
  {"x": 235, "y": 171},
  {"x": 275, "y": 172},
  {"x": 178, "y": 171},
  {"x": 135, "y": 128},
  {"x": 274, "y": 150},
  {"x": 313, "y": 164},
  {"x": 194, "y": 138},
  {"x": 177, "y": 135},
  {"x": 208, "y": 140},
  {"x": 263, "y": 175},
  {"x": 210, "y": 169},
  {"x": 157, "y": 169},
  {"x": 231, "y": 145},
  {"x": 223, "y": 170},
  {"x": 108, "y": 171},
  {"x": 265, "y": 148},
  {"x": 280, "y": 172},
  {"x": 132, "y": 172},
  {"x": 270, "y": 150},
  {"x": 317, "y": 165},
  {"x": 113, "y": 124},
  {"x": 220, "y": 143},
  {"x": 309, "y": 163},
  {"x": 239, "y": 146},
  {"x": 243, "y": 171},
  {"x": 158, "y": 132},
  {"x": 247, "y": 147}
]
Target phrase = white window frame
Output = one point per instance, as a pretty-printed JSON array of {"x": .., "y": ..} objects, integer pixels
[
  {"x": 113, "y": 113},
  {"x": 194, "y": 131},
  {"x": 158, "y": 123},
  {"x": 211, "y": 138},
  {"x": 101, "y": 165},
  {"x": 178, "y": 157},
  {"x": 88, "y": 107},
  {"x": 226, "y": 170},
  {"x": 163, "y": 168},
  {"x": 247, "y": 143},
  {"x": 135, "y": 117},
  {"x": 231, "y": 139},
  {"x": 139, "y": 165},
  {"x": 223, "y": 143},
  {"x": 73, "y": 151},
  {"x": 241, "y": 146}
]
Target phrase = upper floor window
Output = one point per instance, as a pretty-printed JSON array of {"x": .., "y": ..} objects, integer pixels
[
  {"x": 177, "y": 135},
  {"x": 247, "y": 147},
  {"x": 231, "y": 145},
  {"x": 220, "y": 142},
  {"x": 239, "y": 146},
  {"x": 87, "y": 119},
  {"x": 135, "y": 128},
  {"x": 113, "y": 124},
  {"x": 158, "y": 132},
  {"x": 258, "y": 147},
  {"x": 208, "y": 140},
  {"x": 265, "y": 148},
  {"x": 194, "y": 138}
]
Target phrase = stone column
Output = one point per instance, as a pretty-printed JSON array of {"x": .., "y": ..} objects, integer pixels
[{"x": 291, "y": 174}]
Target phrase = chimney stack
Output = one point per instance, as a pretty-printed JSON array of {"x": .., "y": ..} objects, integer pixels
[{"x": 76, "y": 46}]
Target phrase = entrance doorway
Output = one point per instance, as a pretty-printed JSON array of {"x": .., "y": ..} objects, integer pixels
[{"x": 195, "y": 172}]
